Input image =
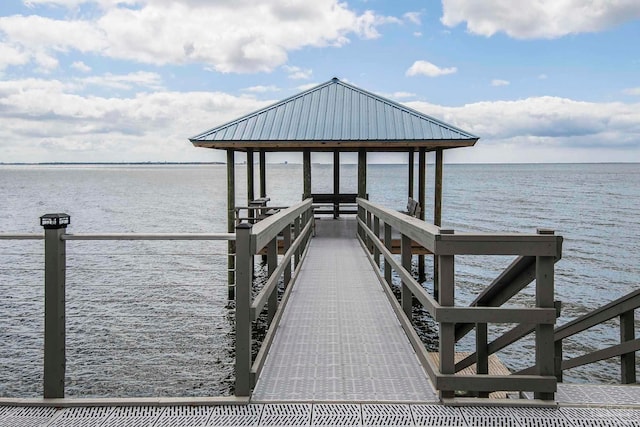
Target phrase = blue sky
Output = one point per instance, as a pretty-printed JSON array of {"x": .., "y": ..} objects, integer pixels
[{"x": 109, "y": 80}]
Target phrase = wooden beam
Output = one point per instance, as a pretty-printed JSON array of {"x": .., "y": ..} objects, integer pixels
[
  {"x": 231, "y": 222},
  {"x": 250, "y": 176},
  {"x": 306, "y": 172},
  {"x": 410, "y": 165},
  {"x": 263, "y": 174},
  {"x": 362, "y": 173},
  {"x": 437, "y": 202},
  {"x": 336, "y": 181},
  {"x": 422, "y": 197}
]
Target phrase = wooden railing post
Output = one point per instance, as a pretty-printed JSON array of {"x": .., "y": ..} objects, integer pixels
[
  {"x": 406, "y": 296},
  {"x": 628, "y": 360},
  {"x": 286, "y": 237},
  {"x": 446, "y": 286},
  {"x": 387, "y": 244},
  {"x": 545, "y": 345},
  {"x": 482, "y": 353},
  {"x": 272, "y": 264},
  {"x": 376, "y": 231},
  {"x": 55, "y": 265},
  {"x": 366, "y": 236},
  {"x": 243, "y": 310},
  {"x": 296, "y": 233}
]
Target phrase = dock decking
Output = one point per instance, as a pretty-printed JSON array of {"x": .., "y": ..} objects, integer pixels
[{"x": 339, "y": 339}]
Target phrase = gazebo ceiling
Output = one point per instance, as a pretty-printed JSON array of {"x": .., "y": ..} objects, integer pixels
[{"x": 335, "y": 115}]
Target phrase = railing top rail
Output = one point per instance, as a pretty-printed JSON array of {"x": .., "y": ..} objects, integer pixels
[
  {"x": 264, "y": 231},
  {"x": 150, "y": 236},
  {"x": 615, "y": 308},
  {"x": 418, "y": 230},
  {"x": 21, "y": 236}
]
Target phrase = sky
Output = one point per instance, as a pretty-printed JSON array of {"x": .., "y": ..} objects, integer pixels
[{"x": 132, "y": 80}]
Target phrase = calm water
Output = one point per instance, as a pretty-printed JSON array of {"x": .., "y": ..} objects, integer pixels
[{"x": 151, "y": 318}]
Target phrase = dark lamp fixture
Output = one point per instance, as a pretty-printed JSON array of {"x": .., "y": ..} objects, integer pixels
[{"x": 57, "y": 220}]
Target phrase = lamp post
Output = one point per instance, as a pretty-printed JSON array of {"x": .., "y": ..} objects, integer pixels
[{"x": 54, "y": 303}]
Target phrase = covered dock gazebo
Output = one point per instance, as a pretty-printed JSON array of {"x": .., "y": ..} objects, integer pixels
[{"x": 335, "y": 117}]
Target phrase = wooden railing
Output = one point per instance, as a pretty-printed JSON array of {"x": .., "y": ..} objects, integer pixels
[
  {"x": 55, "y": 272},
  {"x": 295, "y": 225},
  {"x": 545, "y": 247},
  {"x": 623, "y": 308}
]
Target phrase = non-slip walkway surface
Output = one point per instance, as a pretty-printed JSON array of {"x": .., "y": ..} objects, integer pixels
[{"x": 339, "y": 339}]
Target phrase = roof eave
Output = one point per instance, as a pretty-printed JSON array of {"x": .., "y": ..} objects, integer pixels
[{"x": 348, "y": 145}]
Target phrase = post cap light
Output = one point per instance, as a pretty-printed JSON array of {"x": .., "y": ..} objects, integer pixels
[{"x": 56, "y": 220}]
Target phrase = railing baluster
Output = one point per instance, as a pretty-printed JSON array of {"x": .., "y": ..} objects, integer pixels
[
  {"x": 376, "y": 231},
  {"x": 272, "y": 264},
  {"x": 296, "y": 233},
  {"x": 243, "y": 310},
  {"x": 405, "y": 294},
  {"x": 286, "y": 234},
  {"x": 482, "y": 355},
  {"x": 387, "y": 244},
  {"x": 628, "y": 360}
]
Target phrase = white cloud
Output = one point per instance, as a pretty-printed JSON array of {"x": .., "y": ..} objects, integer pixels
[
  {"x": 261, "y": 89},
  {"x": 417, "y": 34},
  {"x": 125, "y": 81},
  {"x": 549, "y": 121},
  {"x": 413, "y": 17},
  {"x": 240, "y": 36},
  {"x": 499, "y": 82},
  {"x": 632, "y": 91},
  {"x": 539, "y": 18},
  {"x": 54, "y": 123},
  {"x": 543, "y": 77},
  {"x": 81, "y": 66},
  {"x": 399, "y": 95},
  {"x": 428, "y": 69},
  {"x": 10, "y": 55},
  {"x": 297, "y": 73}
]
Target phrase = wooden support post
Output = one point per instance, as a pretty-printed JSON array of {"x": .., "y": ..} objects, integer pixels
[
  {"x": 296, "y": 233},
  {"x": 558, "y": 360},
  {"x": 411, "y": 168},
  {"x": 422, "y": 198},
  {"x": 263, "y": 174},
  {"x": 447, "y": 344},
  {"x": 406, "y": 297},
  {"x": 545, "y": 345},
  {"x": 387, "y": 244},
  {"x": 367, "y": 240},
  {"x": 250, "y": 183},
  {"x": 286, "y": 237},
  {"x": 231, "y": 221},
  {"x": 482, "y": 354},
  {"x": 628, "y": 360},
  {"x": 376, "y": 231},
  {"x": 243, "y": 311},
  {"x": 55, "y": 264},
  {"x": 336, "y": 183},
  {"x": 362, "y": 173},
  {"x": 306, "y": 174},
  {"x": 437, "y": 213},
  {"x": 272, "y": 264}
]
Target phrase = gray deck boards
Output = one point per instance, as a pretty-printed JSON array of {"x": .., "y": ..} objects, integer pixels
[{"x": 339, "y": 339}]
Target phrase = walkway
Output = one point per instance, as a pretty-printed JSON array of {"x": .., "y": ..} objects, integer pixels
[{"x": 339, "y": 339}]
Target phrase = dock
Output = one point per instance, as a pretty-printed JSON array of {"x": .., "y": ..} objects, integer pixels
[{"x": 339, "y": 339}]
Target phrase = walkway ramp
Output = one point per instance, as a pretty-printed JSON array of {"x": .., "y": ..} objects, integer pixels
[{"x": 339, "y": 338}]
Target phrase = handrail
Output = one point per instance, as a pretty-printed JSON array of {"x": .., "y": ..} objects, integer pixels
[
  {"x": 21, "y": 236},
  {"x": 250, "y": 240},
  {"x": 544, "y": 248},
  {"x": 150, "y": 236},
  {"x": 623, "y": 308},
  {"x": 264, "y": 231}
]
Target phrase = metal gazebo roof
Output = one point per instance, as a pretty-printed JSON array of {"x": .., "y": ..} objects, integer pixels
[{"x": 335, "y": 115}]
